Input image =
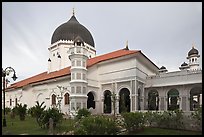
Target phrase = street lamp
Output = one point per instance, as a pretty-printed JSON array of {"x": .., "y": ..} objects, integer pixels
[{"x": 5, "y": 73}]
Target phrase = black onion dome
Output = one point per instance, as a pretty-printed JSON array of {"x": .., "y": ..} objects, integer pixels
[
  {"x": 162, "y": 67},
  {"x": 70, "y": 30},
  {"x": 184, "y": 64},
  {"x": 193, "y": 51}
]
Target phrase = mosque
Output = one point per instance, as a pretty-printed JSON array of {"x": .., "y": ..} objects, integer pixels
[{"x": 124, "y": 80}]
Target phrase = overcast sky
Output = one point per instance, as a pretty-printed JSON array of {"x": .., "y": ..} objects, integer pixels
[{"x": 164, "y": 32}]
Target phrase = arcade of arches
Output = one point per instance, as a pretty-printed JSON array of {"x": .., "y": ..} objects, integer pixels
[
  {"x": 187, "y": 100},
  {"x": 156, "y": 99}
]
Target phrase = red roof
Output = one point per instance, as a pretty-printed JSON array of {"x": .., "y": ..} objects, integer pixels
[{"x": 66, "y": 71}]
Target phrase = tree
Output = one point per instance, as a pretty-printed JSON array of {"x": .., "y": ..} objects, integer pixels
[
  {"x": 21, "y": 110},
  {"x": 38, "y": 110}
]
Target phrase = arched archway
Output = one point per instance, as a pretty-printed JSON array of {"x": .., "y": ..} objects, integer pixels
[
  {"x": 90, "y": 100},
  {"x": 153, "y": 100},
  {"x": 66, "y": 99},
  {"x": 53, "y": 99},
  {"x": 173, "y": 99},
  {"x": 124, "y": 102},
  {"x": 195, "y": 98},
  {"x": 107, "y": 101}
]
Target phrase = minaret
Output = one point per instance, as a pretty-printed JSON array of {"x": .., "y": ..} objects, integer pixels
[
  {"x": 78, "y": 57},
  {"x": 193, "y": 58}
]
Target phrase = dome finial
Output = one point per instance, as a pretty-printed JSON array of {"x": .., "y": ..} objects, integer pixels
[
  {"x": 193, "y": 44},
  {"x": 126, "y": 47},
  {"x": 73, "y": 12}
]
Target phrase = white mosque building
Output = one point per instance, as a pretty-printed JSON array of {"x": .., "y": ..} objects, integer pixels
[{"x": 77, "y": 78}]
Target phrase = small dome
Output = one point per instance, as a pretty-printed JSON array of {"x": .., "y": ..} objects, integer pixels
[
  {"x": 70, "y": 30},
  {"x": 184, "y": 64},
  {"x": 162, "y": 67},
  {"x": 193, "y": 51}
]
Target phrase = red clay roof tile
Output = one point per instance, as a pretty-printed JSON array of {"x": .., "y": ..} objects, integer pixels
[{"x": 66, "y": 71}]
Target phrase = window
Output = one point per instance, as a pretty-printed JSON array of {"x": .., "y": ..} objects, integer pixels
[
  {"x": 78, "y": 89},
  {"x": 78, "y": 76},
  {"x": 78, "y": 63},
  {"x": 78, "y": 50},
  {"x": 16, "y": 101},
  {"x": 53, "y": 99},
  {"x": 84, "y": 77},
  {"x": 73, "y": 62},
  {"x": 10, "y": 102},
  {"x": 84, "y": 64},
  {"x": 73, "y": 75},
  {"x": 192, "y": 59},
  {"x": 72, "y": 90},
  {"x": 66, "y": 99},
  {"x": 78, "y": 105},
  {"x": 84, "y": 90}
]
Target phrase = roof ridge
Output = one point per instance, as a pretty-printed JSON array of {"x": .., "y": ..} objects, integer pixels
[{"x": 66, "y": 71}]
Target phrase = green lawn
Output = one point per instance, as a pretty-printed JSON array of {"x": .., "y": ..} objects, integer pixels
[
  {"x": 160, "y": 131},
  {"x": 30, "y": 127}
]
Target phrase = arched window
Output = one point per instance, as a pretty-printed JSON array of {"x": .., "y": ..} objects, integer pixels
[
  {"x": 53, "y": 99},
  {"x": 10, "y": 102},
  {"x": 66, "y": 99},
  {"x": 90, "y": 100},
  {"x": 173, "y": 99},
  {"x": 124, "y": 102},
  {"x": 195, "y": 98},
  {"x": 153, "y": 100},
  {"x": 16, "y": 101},
  {"x": 107, "y": 101}
]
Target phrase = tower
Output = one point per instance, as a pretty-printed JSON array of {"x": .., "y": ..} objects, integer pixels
[
  {"x": 63, "y": 38},
  {"x": 193, "y": 58},
  {"x": 78, "y": 57}
]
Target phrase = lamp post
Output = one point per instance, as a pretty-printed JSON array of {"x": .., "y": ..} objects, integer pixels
[{"x": 6, "y": 72}]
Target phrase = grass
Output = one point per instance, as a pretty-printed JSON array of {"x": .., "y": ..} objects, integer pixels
[
  {"x": 161, "y": 131},
  {"x": 30, "y": 127}
]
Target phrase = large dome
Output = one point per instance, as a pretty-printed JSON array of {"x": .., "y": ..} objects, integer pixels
[{"x": 70, "y": 30}]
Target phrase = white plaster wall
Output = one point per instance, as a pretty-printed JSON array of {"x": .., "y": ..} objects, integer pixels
[{"x": 116, "y": 69}]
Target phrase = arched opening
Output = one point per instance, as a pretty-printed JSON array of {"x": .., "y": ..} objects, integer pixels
[
  {"x": 90, "y": 101},
  {"x": 124, "y": 102},
  {"x": 107, "y": 101},
  {"x": 53, "y": 99},
  {"x": 66, "y": 99},
  {"x": 138, "y": 99},
  {"x": 195, "y": 98},
  {"x": 153, "y": 100},
  {"x": 173, "y": 99}
]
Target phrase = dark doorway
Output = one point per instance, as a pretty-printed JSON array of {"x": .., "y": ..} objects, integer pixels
[
  {"x": 124, "y": 102},
  {"x": 90, "y": 101},
  {"x": 153, "y": 100},
  {"x": 107, "y": 101}
]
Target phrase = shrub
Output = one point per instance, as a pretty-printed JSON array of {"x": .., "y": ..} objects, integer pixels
[
  {"x": 38, "y": 110},
  {"x": 31, "y": 111},
  {"x": 96, "y": 125},
  {"x": 151, "y": 118},
  {"x": 170, "y": 119},
  {"x": 197, "y": 116},
  {"x": 133, "y": 121},
  {"x": 83, "y": 113},
  {"x": 21, "y": 110},
  {"x": 7, "y": 110},
  {"x": 50, "y": 113}
]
